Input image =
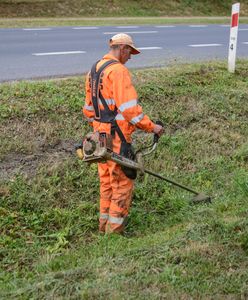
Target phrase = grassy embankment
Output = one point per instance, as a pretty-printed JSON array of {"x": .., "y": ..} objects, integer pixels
[
  {"x": 80, "y": 12},
  {"x": 49, "y": 245}
]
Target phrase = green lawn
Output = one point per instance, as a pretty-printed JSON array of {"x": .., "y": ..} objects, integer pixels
[{"x": 49, "y": 244}]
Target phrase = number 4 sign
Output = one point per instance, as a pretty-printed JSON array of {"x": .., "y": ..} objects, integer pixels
[{"x": 233, "y": 37}]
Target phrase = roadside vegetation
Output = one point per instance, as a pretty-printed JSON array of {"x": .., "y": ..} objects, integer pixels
[
  {"x": 108, "y": 21},
  {"x": 49, "y": 244},
  {"x": 117, "y": 8},
  {"x": 25, "y": 13}
]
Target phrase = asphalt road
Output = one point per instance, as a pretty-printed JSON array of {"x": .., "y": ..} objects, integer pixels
[{"x": 29, "y": 53}]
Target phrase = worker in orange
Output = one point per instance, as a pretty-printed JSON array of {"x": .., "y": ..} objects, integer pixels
[{"x": 111, "y": 106}]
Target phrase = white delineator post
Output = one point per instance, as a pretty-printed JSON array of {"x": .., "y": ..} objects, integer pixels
[{"x": 233, "y": 37}]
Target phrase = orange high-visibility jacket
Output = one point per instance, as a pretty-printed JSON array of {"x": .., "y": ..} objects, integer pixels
[{"x": 118, "y": 91}]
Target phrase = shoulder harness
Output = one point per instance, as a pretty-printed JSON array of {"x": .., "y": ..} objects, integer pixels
[{"x": 106, "y": 115}]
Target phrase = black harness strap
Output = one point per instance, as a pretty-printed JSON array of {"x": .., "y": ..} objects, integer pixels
[
  {"x": 96, "y": 93},
  {"x": 94, "y": 82},
  {"x": 107, "y": 115},
  {"x": 116, "y": 128}
]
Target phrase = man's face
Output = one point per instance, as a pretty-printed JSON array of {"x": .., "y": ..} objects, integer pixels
[{"x": 125, "y": 53}]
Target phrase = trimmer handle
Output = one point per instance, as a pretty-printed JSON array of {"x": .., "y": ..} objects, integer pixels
[{"x": 156, "y": 136}]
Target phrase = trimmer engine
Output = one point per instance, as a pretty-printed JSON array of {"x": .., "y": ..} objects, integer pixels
[{"x": 94, "y": 147}]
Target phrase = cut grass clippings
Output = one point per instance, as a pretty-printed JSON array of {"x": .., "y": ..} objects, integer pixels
[{"x": 49, "y": 244}]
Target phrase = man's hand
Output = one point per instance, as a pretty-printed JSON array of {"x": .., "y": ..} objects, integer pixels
[{"x": 158, "y": 129}]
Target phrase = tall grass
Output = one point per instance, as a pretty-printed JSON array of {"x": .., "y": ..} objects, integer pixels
[{"x": 49, "y": 244}]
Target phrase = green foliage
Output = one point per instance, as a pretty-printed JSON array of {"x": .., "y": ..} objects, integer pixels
[
  {"x": 49, "y": 244},
  {"x": 34, "y": 13},
  {"x": 104, "y": 8}
]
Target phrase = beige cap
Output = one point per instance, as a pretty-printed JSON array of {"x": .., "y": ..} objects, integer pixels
[{"x": 123, "y": 39}]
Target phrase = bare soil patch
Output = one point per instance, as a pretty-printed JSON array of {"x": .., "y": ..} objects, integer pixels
[{"x": 28, "y": 165}]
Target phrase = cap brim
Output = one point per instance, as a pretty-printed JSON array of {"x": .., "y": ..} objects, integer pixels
[{"x": 134, "y": 50}]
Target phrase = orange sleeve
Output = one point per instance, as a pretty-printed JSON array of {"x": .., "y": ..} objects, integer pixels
[
  {"x": 126, "y": 99},
  {"x": 88, "y": 109}
]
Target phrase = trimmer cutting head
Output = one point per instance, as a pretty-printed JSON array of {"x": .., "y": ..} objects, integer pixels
[{"x": 201, "y": 198}]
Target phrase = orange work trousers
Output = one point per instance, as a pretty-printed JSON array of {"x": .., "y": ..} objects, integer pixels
[{"x": 115, "y": 197}]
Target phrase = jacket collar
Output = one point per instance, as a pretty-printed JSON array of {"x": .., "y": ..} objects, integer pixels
[{"x": 110, "y": 56}]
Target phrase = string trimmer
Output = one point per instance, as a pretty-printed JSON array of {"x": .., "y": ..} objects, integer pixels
[{"x": 97, "y": 147}]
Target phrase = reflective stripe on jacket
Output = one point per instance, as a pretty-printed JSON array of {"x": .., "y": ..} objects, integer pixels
[{"x": 119, "y": 92}]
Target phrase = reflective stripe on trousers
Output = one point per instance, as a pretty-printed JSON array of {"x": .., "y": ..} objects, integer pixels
[
  {"x": 104, "y": 216},
  {"x": 115, "y": 220},
  {"x": 117, "y": 188}
]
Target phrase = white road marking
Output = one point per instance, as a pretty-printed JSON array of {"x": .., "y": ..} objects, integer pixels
[
  {"x": 243, "y": 29},
  {"x": 127, "y": 26},
  {"x": 150, "y": 48},
  {"x": 34, "y": 29},
  {"x": 196, "y": 26},
  {"x": 58, "y": 53},
  {"x": 205, "y": 45},
  {"x": 165, "y": 26},
  {"x": 129, "y": 32},
  {"x": 224, "y": 25},
  {"x": 246, "y": 43},
  {"x": 79, "y": 28}
]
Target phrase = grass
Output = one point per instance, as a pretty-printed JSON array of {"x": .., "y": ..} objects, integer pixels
[
  {"x": 108, "y": 21},
  {"x": 32, "y": 13},
  {"x": 118, "y": 8},
  {"x": 49, "y": 245}
]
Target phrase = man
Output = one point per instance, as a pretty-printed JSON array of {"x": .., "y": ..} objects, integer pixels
[{"x": 111, "y": 107}]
